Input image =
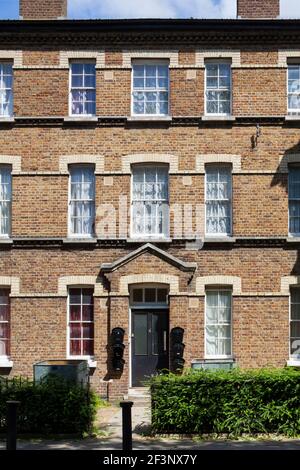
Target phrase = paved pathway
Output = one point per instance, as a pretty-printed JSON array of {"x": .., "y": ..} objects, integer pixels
[{"x": 110, "y": 438}]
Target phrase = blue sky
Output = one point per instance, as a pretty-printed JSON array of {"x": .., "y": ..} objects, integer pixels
[{"x": 151, "y": 8}]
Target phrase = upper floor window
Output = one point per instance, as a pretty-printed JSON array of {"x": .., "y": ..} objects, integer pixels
[
  {"x": 293, "y": 88},
  {"x": 6, "y": 89},
  {"x": 294, "y": 200},
  {"x": 150, "y": 201},
  {"x": 83, "y": 89},
  {"x": 150, "y": 88},
  {"x": 295, "y": 323},
  {"x": 82, "y": 201},
  {"x": 5, "y": 200},
  {"x": 218, "y": 88},
  {"x": 4, "y": 323},
  {"x": 218, "y": 341},
  {"x": 81, "y": 322},
  {"x": 218, "y": 194}
]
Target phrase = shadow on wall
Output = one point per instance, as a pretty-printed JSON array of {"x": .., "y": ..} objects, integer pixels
[{"x": 281, "y": 178}]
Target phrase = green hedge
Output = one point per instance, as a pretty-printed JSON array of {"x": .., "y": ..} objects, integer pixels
[
  {"x": 232, "y": 402},
  {"x": 54, "y": 406}
]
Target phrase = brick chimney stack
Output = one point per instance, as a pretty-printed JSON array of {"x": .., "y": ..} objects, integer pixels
[
  {"x": 258, "y": 9},
  {"x": 43, "y": 9}
]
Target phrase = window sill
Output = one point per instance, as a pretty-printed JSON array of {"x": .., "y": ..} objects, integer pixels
[
  {"x": 76, "y": 241},
  {"x": 5, "y": 363},
  {"x": 91, "y": 362},
  {"x": 219, "y": 118},
  {"x": 149, "y": 240},
  {"x": 149, "y": 118},
  {"x": 6, "y": 120},
  {"x": 225, "y": 363},
  {"x": 219, "y": 239},
  {"x": 292, "y": 117},
  {"x": 295, "y": 239},
  {"x": 5, "y": 241},
  {"x": 293, "y": 363},
  {"x": 80, "y": 120}
]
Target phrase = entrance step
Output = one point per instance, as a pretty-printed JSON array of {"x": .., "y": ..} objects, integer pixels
[{"x": 139, "y": 395}]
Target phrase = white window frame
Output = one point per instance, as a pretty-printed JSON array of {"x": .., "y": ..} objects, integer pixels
[
  {"x": 81, "y": 61},
  {"x": 293, "y": 357},
  {"x": 153, "y": 62},
  {"x": 7, "y": 356},
  {"x": 291, "y": 234},
  {"x": 147, "y": 305},
  {"x": 157, "y": 236},
  {"x": 218, "y": 289},
  {"x": 9, "y": 201},
  {"x": 217, "y": 62},
  {"x": 78, "y": 235},
  {"x": 291, "y": 111},
  {"x": 219, "y": 234},
  {"x": 10, "y": 114},
  {"x": 68, "y": 351}
]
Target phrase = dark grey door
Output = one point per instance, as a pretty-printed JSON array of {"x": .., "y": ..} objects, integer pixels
[{"x": 150, "y": 344}]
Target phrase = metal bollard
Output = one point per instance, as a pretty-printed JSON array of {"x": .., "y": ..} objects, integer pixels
[
  {"x": 126, "y": 424},
  {"x": 11, "y": 439}
]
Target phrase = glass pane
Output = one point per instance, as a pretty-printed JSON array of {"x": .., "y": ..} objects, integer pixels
[
  {"x": 77, "y": 81},
  {"x": 75, "y": 312},
  {"x": 295, "y": 296},
  {"x": 137, "y": 295},
  {"x": 75, "y": 296},
  {"x": 155, "y": 331},
  {"x": 295, "y": 347},
  {"x": 75, "y": 347},
  {"x": 87, "y": 330},
  {"x": 141, "y": 334},
  {"x": 4, "y": 297},
  {"x": 87, "y": 347},
  {"x": 75, "y": 330},
  {"x": 87, "y": 296},
  {"x": 3, "y": 347},
  {"x": 87, "y": 313},
  {"x": 138, "y": 70},
  {"x": 77, "y": 68},
  {"x": 138, "y": 83},
  {"x": 150, "y": 295},
  {"x": 211, "y": 341},
  {"x": 212, "y": 82},
  {"x": 162, "y": 295},
  {"x": 295, "y": 329},
  {"x": 212, "y": 70},
  {"x": 4, "y": 313},
  {"x": 295, "y": 312}
]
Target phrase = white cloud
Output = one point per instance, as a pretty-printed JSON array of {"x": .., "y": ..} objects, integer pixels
[
  {"x": 152, "y": 8},
  {"x": 166, "y": 8}
]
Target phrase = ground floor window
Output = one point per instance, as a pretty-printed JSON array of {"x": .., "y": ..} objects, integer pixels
[
  {"x": 218, "y": 306},
  {"x": 4, "y": 323},
  {"x": 81, "y": 322},
  {"x": 295, "y": 323}
]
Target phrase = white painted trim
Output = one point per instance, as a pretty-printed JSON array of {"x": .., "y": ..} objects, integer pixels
[
  {"x": 5, "y": 362},
  {"x": 222, "y": 281},
  {"x": 204, "y": 159},
  {"x": 218, "y": 54},
  {"x": 66, "y": 56},
  {"x": 129, "y": 55}
]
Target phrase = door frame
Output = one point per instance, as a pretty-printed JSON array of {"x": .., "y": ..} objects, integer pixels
[{"x": 144, "y": 307}]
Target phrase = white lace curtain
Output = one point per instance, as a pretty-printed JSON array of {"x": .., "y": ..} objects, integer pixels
[
  {"x": 82, "y": 200},
  {"x": 150, "y": 207},
  {"x": 218, "y": 323},
  {"x": 218, "y": 200},
  {"x": 5, "y": 200},
  {"x": 6, "y": 83}
]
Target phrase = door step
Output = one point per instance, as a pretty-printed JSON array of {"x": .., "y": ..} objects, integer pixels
[{"x": 139, "y": 395}]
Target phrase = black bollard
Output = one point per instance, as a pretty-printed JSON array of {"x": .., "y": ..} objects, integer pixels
[
  {"x": 126, "y": 424},
  {"x": 11, "y": 439}
]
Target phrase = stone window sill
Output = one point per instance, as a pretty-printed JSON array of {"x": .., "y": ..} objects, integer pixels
[
  {"x": 7, "y": 120},
  {"x": 6, "y": 241},
  {"x": 80, "y": 119},
  {"x": 149, "y": 119},
  {"x": 293, "y": 363},
  {"x": 5, "y": 362},
  {"x": 219, "y": 240},
  {"x": 90, "y": 360},
  {"x": 293, "y": 239},
  {"x": 219, "y": 118},
  {"x": 149, "y": 240},
  {"x": 292, "y": 117},
  {"x": 80, "y": 240}
]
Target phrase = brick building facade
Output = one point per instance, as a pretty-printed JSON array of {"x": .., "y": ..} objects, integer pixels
[{"x": 149, "y": 181}]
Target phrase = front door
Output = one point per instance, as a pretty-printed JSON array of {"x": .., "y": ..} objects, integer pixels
[{"x": 150, "y": 344}]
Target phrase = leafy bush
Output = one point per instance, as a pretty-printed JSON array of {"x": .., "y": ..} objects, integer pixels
[
  {"x": 232, "y": 402},
  {"x": 53, "y": 406}
]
